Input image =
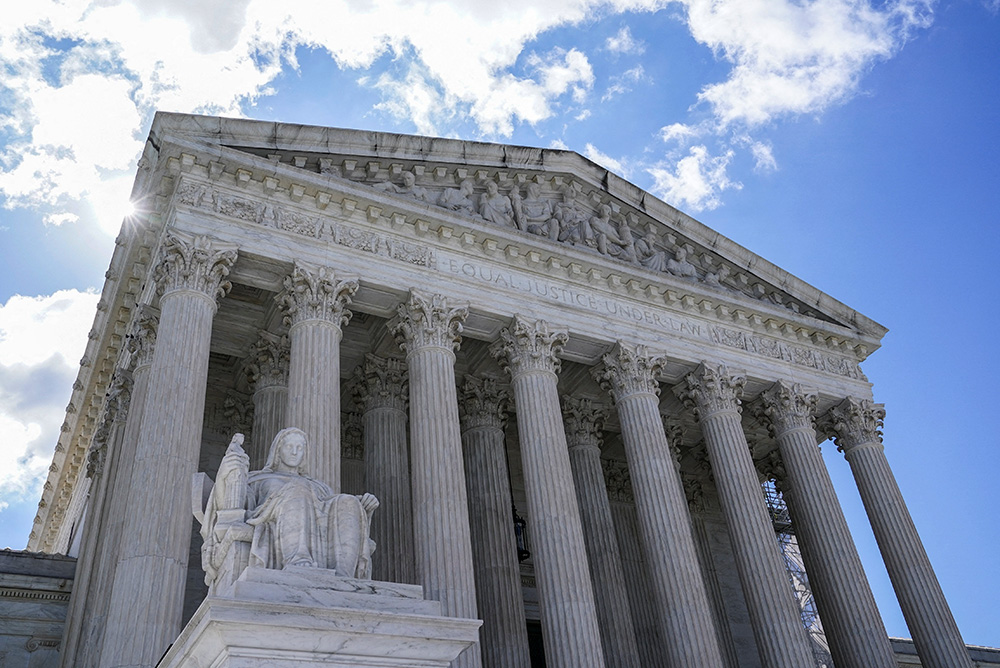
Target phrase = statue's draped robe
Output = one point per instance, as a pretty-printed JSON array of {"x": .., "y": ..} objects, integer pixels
[{"x": 298, "y": 520}]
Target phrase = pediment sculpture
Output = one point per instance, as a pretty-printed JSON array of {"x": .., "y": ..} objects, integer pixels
[{"x": 279, "y": 517}]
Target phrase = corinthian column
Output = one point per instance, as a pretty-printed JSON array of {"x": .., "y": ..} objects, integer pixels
[
  {"x": 858, "y": 424},
  {"x": 678, "y": 589},
  {"x": 381, "y": 392},
  {"x": 851, "y": 619},
  {"x": 352, "y": 452},
  {"x": 139, "y": 344},
  {"x": 584, "y": 424},
  {"x": 483, "y": 410},
  {"x": 267, "y": 368},
  {"x": 190, "y": 277},
  {"x": 428, "y": 329},
  {"x": 781, "y": 639},
  {"x": 570, "y": 630},
  {"x": 315, "y": 304}
]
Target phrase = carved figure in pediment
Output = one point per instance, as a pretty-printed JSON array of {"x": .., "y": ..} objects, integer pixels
[
  {"x": 408, "y": 188},
  {"x": 495, "y": 207},
  {"x": 288, "y": 518},
  {"x": 648, "y": 255},
  {"x": 718, "y": 278},
  {"x": 458, "y": 199},
  {"x": 534, "y": 214},
  {"x": 573, "y": 218},
  {"x": 680, "y": 266},
  {"x": 610, "y": 237}
]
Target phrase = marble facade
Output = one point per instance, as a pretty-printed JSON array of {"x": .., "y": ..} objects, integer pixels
[{"x": 468, "y": 329}]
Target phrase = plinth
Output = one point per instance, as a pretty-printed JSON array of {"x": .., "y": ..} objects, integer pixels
[{"x": 300, "y": 617}]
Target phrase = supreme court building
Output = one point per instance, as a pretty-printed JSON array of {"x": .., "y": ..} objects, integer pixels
[{"x": 582, "y": 410}]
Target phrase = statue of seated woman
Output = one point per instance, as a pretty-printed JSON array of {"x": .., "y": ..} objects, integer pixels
[{"x": 288, "y": 518}]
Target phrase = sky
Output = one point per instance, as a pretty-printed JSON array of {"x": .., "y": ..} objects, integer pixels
[{"x": 853, "y": 143}]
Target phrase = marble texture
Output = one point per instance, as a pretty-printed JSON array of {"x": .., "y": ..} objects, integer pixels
[
  {"x": 570, "y": 630},
  {"x": 494, "y": 549},
  {"x": 307, "y": 617},
  {"x": 382, "y": 394},
  {"x": 857, "y": 425},
  {"x": 851, "y": 620},
  {"x": 315, "y": 302},
  {"x": 152, "y": 561},
  {"x": 688, "y": 630},
  {"x": 584, "y": 423},
  {"x": 429, "y": 328},
  {"x": 714, "y": 393}
]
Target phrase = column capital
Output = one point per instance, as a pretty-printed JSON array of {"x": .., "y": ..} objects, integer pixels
[
  {"x": 352, "y": 442},
  {"x": 267, "y": 364},
  {"x": 482, "y": 403},
  {"x": 629, "y": 370},
  {"x": 141, "y": 339},
  {"x": 584, "y": 422},
  {"x": 528, "y": 346},
  {"x": 428, "y": 322},
  {"x": 711, "y": 388},
  {"x": 856, "y": 422},
  {"x": 381, "y": 382},
  {"x": 237, "y": 408},
  {"x": 197, "y": 263},
  {"x": 116, "y": 406},
  {"x": 786, "y": 407},
  {"x": 618, "y": 481},
  {"x": 315, "y": 293}
]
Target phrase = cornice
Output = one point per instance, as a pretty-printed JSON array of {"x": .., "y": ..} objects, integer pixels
[
  {"x": 390, "y": 151},
  {"x": 372, "y": 221}
]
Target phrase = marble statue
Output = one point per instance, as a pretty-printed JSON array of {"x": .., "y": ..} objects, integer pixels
[
  {"x": 534, "y": 214},
  {"x": 680, "y": 266},
  {"x": 409, "y": 188},
  {"x": 495, "y": 207},
  {"x": 458, "y": 199},
  {"x": 648, "y": 255},
  {"x": 609, "y": 238},
  {"x": 288, "y": 518}
]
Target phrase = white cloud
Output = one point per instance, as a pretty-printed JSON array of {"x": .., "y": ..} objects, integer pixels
[
  {"x": 763, "y": 156},
  {"x": 696, "y": 181},
  {"x": 795, "y": 57},
  {"x": 82, "y": 78},
  {"x": 678, "y": 132},
  {"x": 623, "y": 42},
  {"x": 41, "y": 341},
  {"x": 619, "y": 167},
  {"x": 622, "y": 83}
]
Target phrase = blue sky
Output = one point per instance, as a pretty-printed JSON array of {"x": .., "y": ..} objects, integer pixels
[{"x": 853, "y": 143}]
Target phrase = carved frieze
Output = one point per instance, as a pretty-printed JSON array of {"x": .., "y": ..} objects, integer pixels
[
  {"x": 352, "y": 445},
  {"x": 252, "y": 210}
]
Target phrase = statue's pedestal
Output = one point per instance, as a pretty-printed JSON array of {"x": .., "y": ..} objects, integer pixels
[{"x": 307, "y": 617}]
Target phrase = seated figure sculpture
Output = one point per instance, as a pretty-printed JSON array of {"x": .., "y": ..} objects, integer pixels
[{"x": 288, "y": 518}]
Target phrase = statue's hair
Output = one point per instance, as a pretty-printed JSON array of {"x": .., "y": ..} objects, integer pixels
[{"x": 272, "y": 453}]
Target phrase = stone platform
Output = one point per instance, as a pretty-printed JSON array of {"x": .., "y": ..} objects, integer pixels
[{"x": 307, "y": 617}]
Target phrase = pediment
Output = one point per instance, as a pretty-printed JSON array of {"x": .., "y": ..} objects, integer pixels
[{"x": 543, "y": 195}]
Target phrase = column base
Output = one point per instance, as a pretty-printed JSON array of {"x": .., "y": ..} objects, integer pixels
[{"x": 308, "y": 617}]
